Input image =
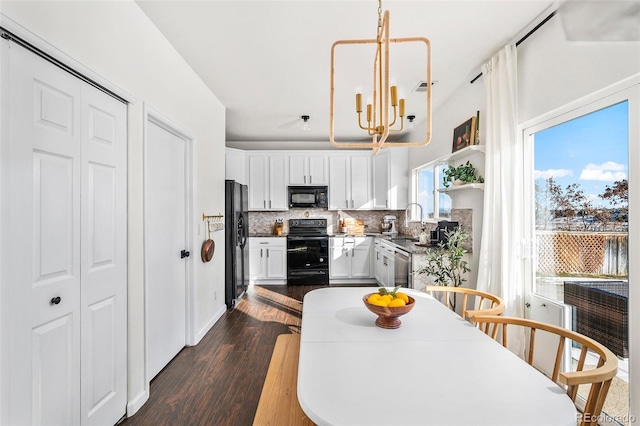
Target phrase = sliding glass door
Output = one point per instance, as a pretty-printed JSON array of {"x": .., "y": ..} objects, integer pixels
[{"x": 577, "y": 179}]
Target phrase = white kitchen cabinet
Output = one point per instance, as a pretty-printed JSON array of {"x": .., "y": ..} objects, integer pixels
[
  {"x": 384, "y": 264},
  {"x": 308, "y": 170},
  {"x": 350, "y": 182},
  {"x": 235, "y": 165},
  {"x": 390, "y": 179},
  {"x": 268, "y": 181},
  {"x": 350, "y": 259},
  {"x": 268, "y": 260}
]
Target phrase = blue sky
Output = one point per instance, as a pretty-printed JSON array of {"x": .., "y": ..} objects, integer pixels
[{"x": 591, "y": 150}]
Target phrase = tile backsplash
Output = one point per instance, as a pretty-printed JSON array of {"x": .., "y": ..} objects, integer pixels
[{"x": 262, "y": 222}]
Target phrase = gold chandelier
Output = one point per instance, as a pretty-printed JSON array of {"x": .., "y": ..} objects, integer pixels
[{"x": 379, "y": 122}]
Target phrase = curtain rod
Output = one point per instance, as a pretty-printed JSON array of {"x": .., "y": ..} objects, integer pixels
[
  {"x": 8, "y": 35},
  {"x": 526, "y": 36}
]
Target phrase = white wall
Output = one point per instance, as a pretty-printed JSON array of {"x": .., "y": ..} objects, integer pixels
[{"x": 116, "y": 40}]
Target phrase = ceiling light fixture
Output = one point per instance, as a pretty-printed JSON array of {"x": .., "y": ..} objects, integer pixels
[
  {"x": 305, "y": 125},
  {"x": 385, "y": 97}
]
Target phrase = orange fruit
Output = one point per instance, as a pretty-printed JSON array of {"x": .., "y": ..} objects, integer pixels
[
  {"x": 403, "y": 297},
  {"x": 387, "y": 298},
  {"x": 380, "y": 302},
  {"x": 397, "y": 302},
  {"x": 373, "y": 297}
]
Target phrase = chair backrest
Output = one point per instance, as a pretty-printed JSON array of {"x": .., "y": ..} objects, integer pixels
[
  {"x": 487, "y": 303},
  {"x": 599, "y": 378}
]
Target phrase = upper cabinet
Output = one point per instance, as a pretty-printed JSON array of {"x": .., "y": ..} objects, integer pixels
[
  {"x": 235, "y": 165},
  {"x": 268, "y": 181},
  {"x": 390, "y": 179},
  {"x": 308, "y": 169},
  {"x": 356, "y": 180},
  {"x": 350, "y": 181}
]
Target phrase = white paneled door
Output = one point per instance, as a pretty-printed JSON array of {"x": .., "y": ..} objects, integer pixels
[
  {"x": 64, "y": 327},
  {"x": 165, "y": 229}
]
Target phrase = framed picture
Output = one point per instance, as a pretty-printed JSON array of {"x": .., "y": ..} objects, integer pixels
[{"x": 464, "y": 134}]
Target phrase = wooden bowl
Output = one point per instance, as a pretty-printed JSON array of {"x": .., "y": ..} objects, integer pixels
[{"x": 388, "y": 316}]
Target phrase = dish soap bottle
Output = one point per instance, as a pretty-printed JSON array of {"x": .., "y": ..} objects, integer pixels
[{"x": 423, "y": 237}]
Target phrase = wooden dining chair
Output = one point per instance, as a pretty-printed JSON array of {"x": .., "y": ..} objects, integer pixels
[
  {"x": 487, "y": 303},
  {"x": 599, "y": 378}
]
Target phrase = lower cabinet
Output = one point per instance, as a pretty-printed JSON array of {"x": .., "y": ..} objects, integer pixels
[
  {"x": 268, "y": 260},
  {"x": 350, "y": 260},
  {"x": 384, "y": 264}
]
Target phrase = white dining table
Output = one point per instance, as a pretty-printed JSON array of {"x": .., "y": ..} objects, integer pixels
[{"x": 436, "y": 369}]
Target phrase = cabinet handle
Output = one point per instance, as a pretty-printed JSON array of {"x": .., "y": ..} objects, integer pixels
[
  {"x": 386, "y": 203},
  {"x": 269, "y": 203},
  {"x": 310, "y": 179},
  {"x": 260, "y": 252},
  {"x": 352, "y": 204},
  {"x": 347, "y": 202},
  {"x": 267, "y": 252},
  {"x": 305, "y": 179},
  {"x": 264, "y": 204},
  {"x": 377, "y": 255}
]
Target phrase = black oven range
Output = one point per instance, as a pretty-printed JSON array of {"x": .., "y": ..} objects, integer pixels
[{"x": 307, "y": 252}]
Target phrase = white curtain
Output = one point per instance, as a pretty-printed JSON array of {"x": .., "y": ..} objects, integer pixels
[{"x": 499, "y": 271}]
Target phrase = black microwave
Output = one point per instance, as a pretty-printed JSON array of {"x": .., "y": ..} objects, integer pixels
[{"x": 308, "y": 197}]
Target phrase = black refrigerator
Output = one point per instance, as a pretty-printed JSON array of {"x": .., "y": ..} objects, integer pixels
[{"x": 236, "y": 233}]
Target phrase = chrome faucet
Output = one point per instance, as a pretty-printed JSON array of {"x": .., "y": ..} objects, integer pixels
[{"x": 406, "y": 215}]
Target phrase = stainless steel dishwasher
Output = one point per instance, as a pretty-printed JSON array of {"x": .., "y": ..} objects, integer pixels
[{"x": 402, "y": 267}]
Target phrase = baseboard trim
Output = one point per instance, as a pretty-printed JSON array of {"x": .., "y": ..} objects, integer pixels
[
  {"x": 136, "y": 403},
  {"x": 204, "y": 330}
]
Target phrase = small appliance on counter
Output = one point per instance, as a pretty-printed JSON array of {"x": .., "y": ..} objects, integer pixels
[
  {"x": 388, "y": 225},
  {"x": 438, "y": 235},
  {"x": 278, "y": 227}
]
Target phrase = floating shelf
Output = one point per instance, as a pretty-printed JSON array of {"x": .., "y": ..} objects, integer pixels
[
  {"x": 464, "y": 152},
  {"x": 463, "y": 187}
]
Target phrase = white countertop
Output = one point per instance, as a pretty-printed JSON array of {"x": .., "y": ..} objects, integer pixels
[{"x": 435, "y": 369}]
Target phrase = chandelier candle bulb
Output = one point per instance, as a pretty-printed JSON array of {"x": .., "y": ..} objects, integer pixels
[
  {"x": 369, "y": 107},
  {"x": 401, "y": 107},
  {"x": 394, "y": 95},
  {"x": 358, "y": 102}
]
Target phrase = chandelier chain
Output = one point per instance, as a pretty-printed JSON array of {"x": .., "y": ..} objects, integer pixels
[{"x": 379, "y": 17}]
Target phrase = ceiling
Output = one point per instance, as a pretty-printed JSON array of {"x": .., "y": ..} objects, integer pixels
[{"x": 268, "y": 62}]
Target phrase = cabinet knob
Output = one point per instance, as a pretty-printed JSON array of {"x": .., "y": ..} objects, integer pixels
[{"x": 55, "y": 300}]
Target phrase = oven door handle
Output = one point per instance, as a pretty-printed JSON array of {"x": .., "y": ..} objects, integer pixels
[{"x": 303, "y": 238}]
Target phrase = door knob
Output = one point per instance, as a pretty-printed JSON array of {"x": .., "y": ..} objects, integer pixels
[
  {"x": 184, "y": 253},
  {"x": 55, "y": 300}
]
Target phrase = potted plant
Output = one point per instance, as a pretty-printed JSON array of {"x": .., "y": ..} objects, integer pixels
[
  {"x": 464, "y": 173},
  {"x": 445, "y": 263}
]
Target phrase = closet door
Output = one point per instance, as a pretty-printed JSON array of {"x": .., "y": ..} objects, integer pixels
[
  {"x": 44, "y": 235},
  {"x": 64, "y": 223},
  {"x": 103, "y": 265}
]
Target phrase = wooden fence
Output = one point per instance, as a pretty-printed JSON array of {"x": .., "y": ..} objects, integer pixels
[{"x": 582, "y": 253}]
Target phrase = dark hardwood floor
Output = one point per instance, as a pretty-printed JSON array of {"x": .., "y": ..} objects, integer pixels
[{"x": 219, "y": 381}]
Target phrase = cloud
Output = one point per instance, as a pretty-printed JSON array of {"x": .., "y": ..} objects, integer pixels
[
  {"x": 552, "y": 173},
  {"x": 608, "y": 171}
]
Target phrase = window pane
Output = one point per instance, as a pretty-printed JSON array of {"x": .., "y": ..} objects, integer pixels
[{"x": 425, "y": 191}]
